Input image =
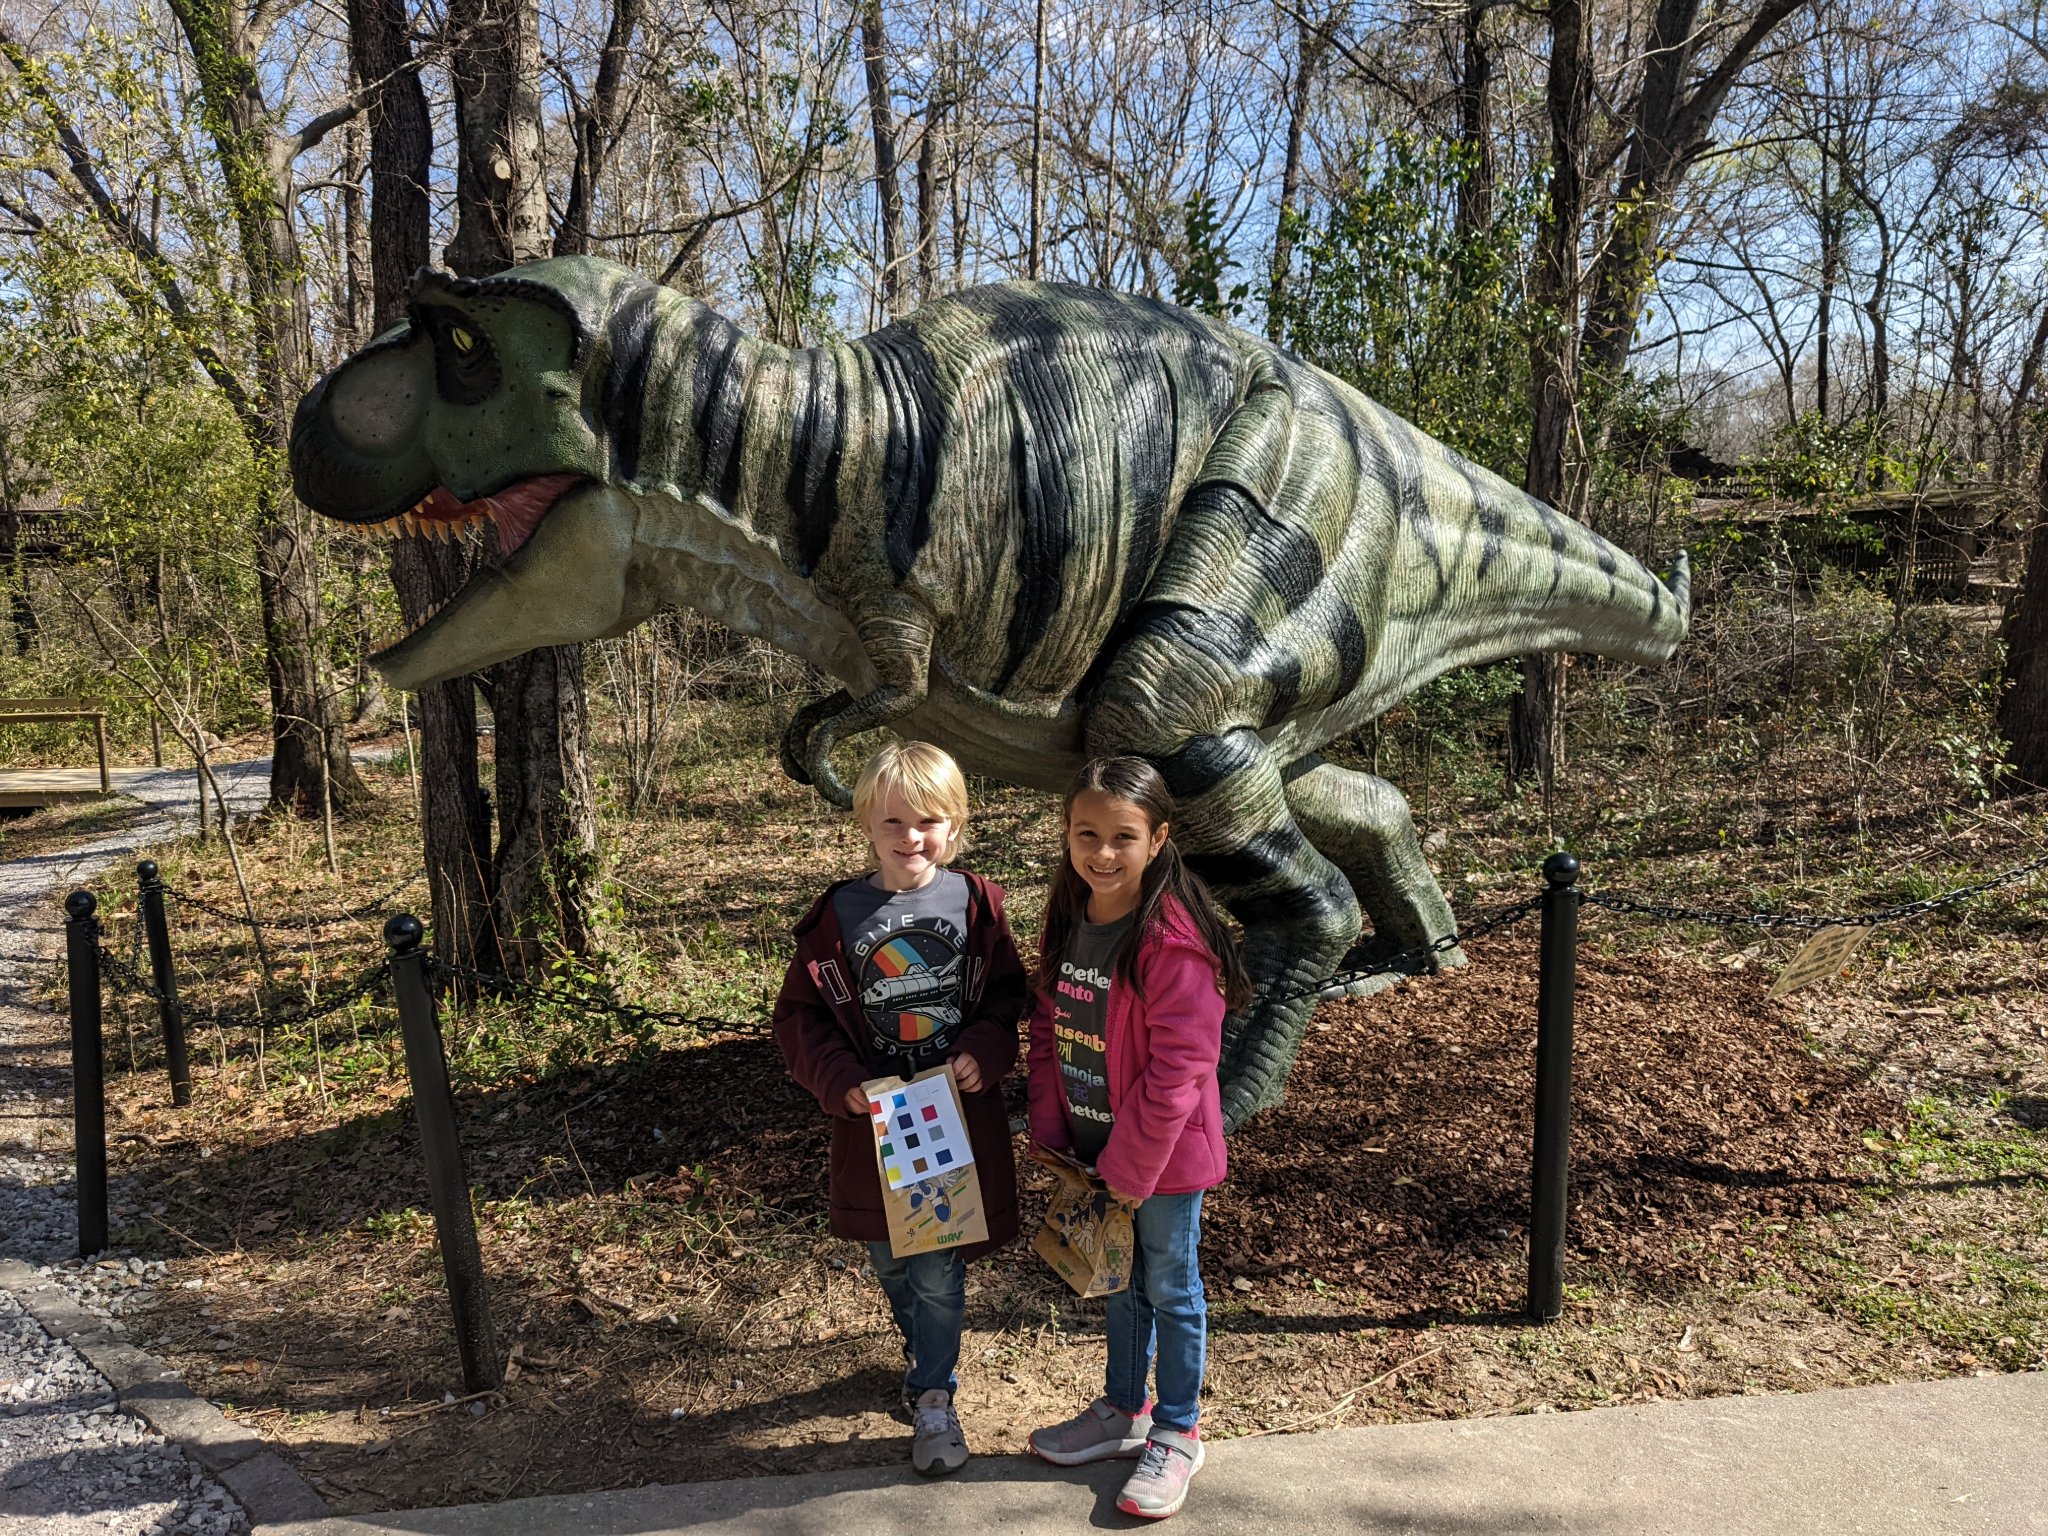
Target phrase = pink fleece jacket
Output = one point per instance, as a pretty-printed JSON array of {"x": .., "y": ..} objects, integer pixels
[{"x": 1162, "y": 1050}]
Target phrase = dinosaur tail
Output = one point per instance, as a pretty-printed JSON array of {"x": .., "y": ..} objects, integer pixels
[{"x": 1484, "y": 571}]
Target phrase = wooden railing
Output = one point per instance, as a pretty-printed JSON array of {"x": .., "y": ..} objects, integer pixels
[{"x": 33, "y": 711}]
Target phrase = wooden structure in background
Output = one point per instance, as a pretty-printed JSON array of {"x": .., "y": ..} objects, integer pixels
[
  {"x": 1949, "y": 544},
  {"x": 36, "y": 787}
]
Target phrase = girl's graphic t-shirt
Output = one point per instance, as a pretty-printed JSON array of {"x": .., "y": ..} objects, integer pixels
[
  {"x": 905, "y": 950},
  {"x": 1080, "y": 1023}
]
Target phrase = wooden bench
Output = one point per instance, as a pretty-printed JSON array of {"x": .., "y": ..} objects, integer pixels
[{"x": 43, "y": 786}]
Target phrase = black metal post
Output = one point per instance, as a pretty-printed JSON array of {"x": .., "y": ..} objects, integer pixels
[
  {"x": 165, "y": 977},
  {"x": 88, "y": 1077},
  {"x": 1556, "y": 978},
  {"x": 447, "y": 1185}
]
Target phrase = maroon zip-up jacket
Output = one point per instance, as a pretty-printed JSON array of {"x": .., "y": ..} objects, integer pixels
[{"x": 822, "y": 1035}]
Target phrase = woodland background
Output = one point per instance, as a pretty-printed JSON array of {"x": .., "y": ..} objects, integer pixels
[{"x": 1801, "y": 243}]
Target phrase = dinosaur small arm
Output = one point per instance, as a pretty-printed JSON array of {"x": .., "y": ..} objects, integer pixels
[{"x": 1032, "y": 523}]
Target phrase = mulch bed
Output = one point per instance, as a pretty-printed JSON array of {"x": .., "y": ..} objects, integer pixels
[
  {"x": 1390, "y": 1192},
  {"x": 1400, "y": 1163}
]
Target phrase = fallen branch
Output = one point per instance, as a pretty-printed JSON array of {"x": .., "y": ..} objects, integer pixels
[
  {"x": 425, "y": 1409},
  {"x": 1344, "y": 1402}
]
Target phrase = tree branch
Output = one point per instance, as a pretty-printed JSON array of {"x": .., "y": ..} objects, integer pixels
[
  {"x": 1689, "y": 122},
  {"x": 131, "y": 236},
  {"x": 354, "y": 104}
]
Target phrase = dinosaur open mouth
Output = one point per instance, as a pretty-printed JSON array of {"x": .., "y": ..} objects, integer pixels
[{"x": 515, "y": 511}]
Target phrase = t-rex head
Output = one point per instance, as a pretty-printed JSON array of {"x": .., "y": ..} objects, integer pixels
[{"x": 485, "y": 404}]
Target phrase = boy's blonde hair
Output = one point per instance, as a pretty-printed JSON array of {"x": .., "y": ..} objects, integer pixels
[{"x": 928, "y": 778}]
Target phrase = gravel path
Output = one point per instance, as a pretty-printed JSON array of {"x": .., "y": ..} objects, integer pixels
[{"x": 70, "y": 1463}]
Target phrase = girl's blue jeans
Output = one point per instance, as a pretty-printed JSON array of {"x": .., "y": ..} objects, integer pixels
[
  {"x": 1163, "y": 1307},
  {"x": 928, "y": 1294}
]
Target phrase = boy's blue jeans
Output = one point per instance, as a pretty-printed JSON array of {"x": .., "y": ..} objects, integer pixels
[
  {"x": 928, "y": 1294},
  {"x": 1163, "y": 1304}
]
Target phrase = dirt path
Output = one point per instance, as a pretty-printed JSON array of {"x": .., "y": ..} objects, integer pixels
[
  {"x": 69, "y": 1463},
  {"x": 35, "y": 1095}
]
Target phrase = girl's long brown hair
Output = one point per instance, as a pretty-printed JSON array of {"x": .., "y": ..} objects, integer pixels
[{"x": 1135, "y": 780}]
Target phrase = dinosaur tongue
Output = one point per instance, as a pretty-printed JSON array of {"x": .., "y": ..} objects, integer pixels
[{"x": 517, "y": 510}]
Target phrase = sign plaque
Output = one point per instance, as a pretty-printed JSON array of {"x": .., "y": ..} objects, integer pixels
[{"x": 1822, "y": 956}]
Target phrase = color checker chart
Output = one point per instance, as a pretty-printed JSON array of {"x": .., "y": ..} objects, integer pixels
[{"x": 919, "y": 1129}]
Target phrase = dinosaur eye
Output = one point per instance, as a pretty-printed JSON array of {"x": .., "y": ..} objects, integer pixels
[{"x": 465, "y": 366}]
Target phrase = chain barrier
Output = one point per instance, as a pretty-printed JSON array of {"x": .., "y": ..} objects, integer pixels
[
  {"x": 1407, "y": 961},
  {"x": 441, "y": 973},
  {"x": 1723, "y": 918},
  {"x": 127, "y": 975},
  {"x": 124, "y": 977},
  {"x": 372, "y": 908}
]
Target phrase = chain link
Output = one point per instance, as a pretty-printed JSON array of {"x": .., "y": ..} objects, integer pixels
[
  {"x": 1723, "y": 918},
  {"x": 1405, "y": 962},
  {"x": 371, "y": 908},
  {"x": 127, "y": 975},
  {"x": 124, "y": 977}
]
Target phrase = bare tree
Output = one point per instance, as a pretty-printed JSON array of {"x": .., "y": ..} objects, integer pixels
[
  {"x": 544, "y": 871},
  {"x": 455, "y": 825},
  {"x": 1553, "y": 353}
]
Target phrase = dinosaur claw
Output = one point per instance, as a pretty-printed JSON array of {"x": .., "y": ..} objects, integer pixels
[{"x": 802, "y": 762}]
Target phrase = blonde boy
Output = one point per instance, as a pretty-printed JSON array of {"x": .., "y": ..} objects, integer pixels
[{"x": 897, "y": 969}]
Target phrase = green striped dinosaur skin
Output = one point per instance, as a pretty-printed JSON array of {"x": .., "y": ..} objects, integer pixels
[{"x": 1031, "y": 523}]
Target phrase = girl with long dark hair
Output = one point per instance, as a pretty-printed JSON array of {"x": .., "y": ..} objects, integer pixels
[{"x": 1135, "y": 972}]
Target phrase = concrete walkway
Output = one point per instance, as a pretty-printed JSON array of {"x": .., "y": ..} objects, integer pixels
[{"x": 1966, "y": 1456}]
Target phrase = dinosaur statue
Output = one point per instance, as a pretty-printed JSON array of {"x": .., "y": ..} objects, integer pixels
[{"x": 1031, "y": 523}]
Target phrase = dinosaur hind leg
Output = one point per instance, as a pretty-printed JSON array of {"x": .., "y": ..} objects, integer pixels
[{"x": 1361, "y": 824}]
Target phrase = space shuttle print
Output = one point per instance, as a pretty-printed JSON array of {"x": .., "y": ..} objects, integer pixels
[{"x": 910, "y": 983}]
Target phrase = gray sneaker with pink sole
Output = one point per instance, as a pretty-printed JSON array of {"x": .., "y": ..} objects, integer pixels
[
  {"x": 1098, "y": 1432},
  {"x": 1159, "y": 1486}
]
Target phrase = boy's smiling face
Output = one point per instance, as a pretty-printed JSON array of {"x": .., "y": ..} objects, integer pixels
[{"x": 910, "y": 845}]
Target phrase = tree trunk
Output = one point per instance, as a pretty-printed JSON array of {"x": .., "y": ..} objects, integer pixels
[
  {"x": 542, "y": 875},
  {"x": 546, "y": 866},
  {"x": 309, "y": 764},
  {"x": 1553, "y": 353},
  {"x": 1475, "y": 125},
  {"x": 358, "y": 298},
  {"x": 1034, "y": 241},
  {"x": 889, "y": 191},
  {"x": 1670, "y": 126},
  {"x": 1310, "y": 42},
  {"x": 2023, "y": 706},
  {"x": 501, "y": 206},
  {"x": 455, "y": 821},
  {"x": 933, "y": 192},
  {"x": 1876, "y": 307}
]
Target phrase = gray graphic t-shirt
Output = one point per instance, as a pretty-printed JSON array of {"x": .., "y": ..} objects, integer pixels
[
  {"x": 905, "y": 950},
  {"x": 1080, "y": 1029}
]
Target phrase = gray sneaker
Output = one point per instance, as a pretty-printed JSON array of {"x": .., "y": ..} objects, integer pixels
[
  {"x": 1160, "y": 1485},
  {"x": 1098, "y": 1432},
  {"x": 939, "y": 1447}
]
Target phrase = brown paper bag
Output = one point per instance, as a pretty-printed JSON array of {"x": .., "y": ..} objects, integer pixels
[
  {"x": 1086, "y": 1236},
  {"x": 930, "y": 1191}
]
